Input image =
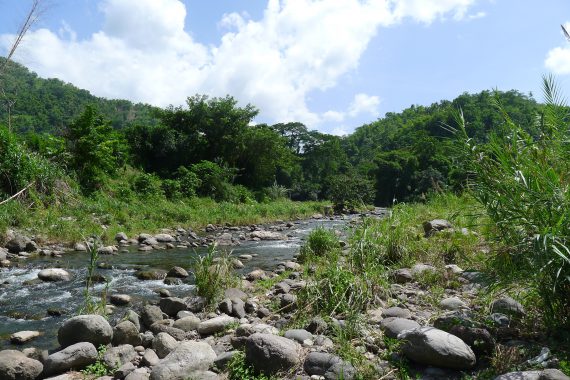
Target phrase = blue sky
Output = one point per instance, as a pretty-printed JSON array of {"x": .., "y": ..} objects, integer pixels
[{"x": 332, "y": 64}]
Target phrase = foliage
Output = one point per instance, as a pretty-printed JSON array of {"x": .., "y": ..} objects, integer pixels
[
  {"x": 90, "y": 304},
  {"x": 96, "y": 149},
  {"x": 350, "y": 191},
  {"x": 320, "y": 242},
  {"x": 522, "y": 181},
  {"x": 147, "y": 185},
  {"x": 99, "y": 368},
  {"x": 213, "y": 274},
  {"x": 238, "y": 369}
]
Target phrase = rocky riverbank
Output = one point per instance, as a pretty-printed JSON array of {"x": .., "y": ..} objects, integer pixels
[{"x": 262, "y": 325}]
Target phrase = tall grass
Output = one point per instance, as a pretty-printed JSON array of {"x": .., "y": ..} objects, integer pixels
[
  {"x": 213, "y": 274},
  {"x": 523, "y": 182}
]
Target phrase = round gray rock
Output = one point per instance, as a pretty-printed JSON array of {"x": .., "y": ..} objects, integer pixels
[
  {"x": 14, "y": 365},
  {"x": 126, "y": 333},
  {"x": 329, "y": 366},
  {"x": 54, "y": 275},
  {"x": 188, "y": 357},
  {"x": 393, "y": 326},
  {"x": 163, "y": 344},
  {"x": 189, "y": 323},
  {"x": 215, "y": 325},
  {"x": 431, "y": 346},
  {"x": 76, "y": 356},
  {"x": 85, "y": 328},
  {"x": 271, "y": 354}
]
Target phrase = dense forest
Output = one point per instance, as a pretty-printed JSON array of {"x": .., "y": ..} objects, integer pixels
[{"x": 211, "y": 147}]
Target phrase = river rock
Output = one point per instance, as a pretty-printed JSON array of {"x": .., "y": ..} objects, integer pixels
[
  {"x": 238, "y": 308},
  {"x": 172, "y": 305},
  {"x": 164, "y": 238},
  {"x": 256, "y": 274},
  {"x": 215, "y": 325},
  {"x": 299, "y": 335},
  {"x": 267, "y": 235},
  {"x": 396, "y": 312},
  {"x": 126, "y": 333},
  {"x": 508, "y": 306},
  {"x": 271, "y": 354},
  {"x": 20, "y": 243},
  {"x": 403, "y": 275},
  {"x": 54, "y": 274},
  {"x": 479, "y": 339},
  {"x": 151, "y": 314},
  {"x": 115, "y": 357},
  {"x": 163, "y": 344},
  {"x": 235, "y": 293},
  {"x": 151, "y": 274},
  {"x": 177, "y": 272},
  {"x": 188, "y": 357},
  {"x": 130, "y": 315},
  {"x": 520, "y": 375},
  {"x": 317, "y": 325},
  {"x": 14, "y": 365},
  {"x": 138, "y": 374},
  {"x": 189, "y": 323},
  {"x": 436, "y": 225},
  {"x": 392, "y": 326},
  {"x": 76, "y": 356},
  {"x": 452, "y": 303},
  {"x": 121, "y": 236},
  {"x": 79, "y": 247},
  {"x": 108, "y": 250},
  {"x": 434, "y": 347},
  {"x": 419, "y": 269},
  {"x": 174, "y": 332},
  {"x": 22, "y": 337},
  {"x": 553, "y": 374},
  {"x": 150, "y": 357},
  {"x": 120, "y": 299},
  {"x": 330, "y": 366},
  {"x": 124, "y": 370},
  {"x": 196, "y": 304},
  {"x": 85, "y": 328}
]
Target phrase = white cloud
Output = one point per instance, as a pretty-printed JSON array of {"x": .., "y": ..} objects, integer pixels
[
  {"x": 475, "y": 16},
  {"x": 143, "y": 53},
  {"x": 558, "y": 59}
]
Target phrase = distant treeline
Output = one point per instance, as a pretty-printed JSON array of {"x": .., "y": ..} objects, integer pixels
[{"x": 210, "y": 147}]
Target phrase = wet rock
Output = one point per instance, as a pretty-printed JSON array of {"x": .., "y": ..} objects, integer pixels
[
  {"x": 271, "y": 353},
  {"x": 163, "y": 344},
  {"x": 76, "y": 356},
  {"x": 151, "y": 314},
  {"x": 434, "y": 347},
  {"x": 177, "y": 272},
  {"x": 436, "y": 225},
  {"x": 215, "y": 325},
  {"x": 115, "y": 357},
  {"x": 508, "y": 306},
  {"x": 14, "y": 365},
  {"x": 79, "y": 247},
  {"x": 145, "y": 248},
  {"x": 22, "y": 337},
  {"x": 267, "y": 235},
  {"x": 85, "y": 328},
  {"x": 187, "y": 358},
  {"x": 188, "y": 323},
  {"x": 120, "y": 299},
  {"x": 54, "y": 275},
  {"x": 151, "y": 274},
  {"x": 172, "y": 305},
  {"x": 120, "y": 236},
  {"x": 331, "y": 367},
  {"x": 393, "y": 326},
  {"x": 126, "y": 333},
  {"x": 108, "y": 250}
]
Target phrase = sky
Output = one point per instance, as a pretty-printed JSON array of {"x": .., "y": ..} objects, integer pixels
[{"x": 331, "y": 64}]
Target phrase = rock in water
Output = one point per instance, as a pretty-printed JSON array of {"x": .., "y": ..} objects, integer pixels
[
  {"x": 271, "y": 354},
  {"x": 14, "y": 365},
  {"x": 76, "y": 356},
  {"x": 54, "y": 274},
  {"x": 85, "y": 328},
  {"x": 187, "y": 358},
  {"x": 431, "y": 346},
  {"x": 22, "y": 337}
]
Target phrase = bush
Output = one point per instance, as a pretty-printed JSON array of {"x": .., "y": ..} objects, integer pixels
[
  {"x": 524, "y": 185},
  {"x": 215, "y": 180},
  {"x": 350, "y": 191},
  {"x": 148, "y": 185},
  {"x": 188, "y": 181},
  {"x": 320, "y": 242}
]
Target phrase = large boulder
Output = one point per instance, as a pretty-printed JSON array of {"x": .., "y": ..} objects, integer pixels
[
  {"x": 14, "y": 365},
  {"x": 151, "y": 314},
  {"x": 172, "y": 305},
  {"x": 126, "y": 333},
  {"x": 85, "y": 328},
  {"x": 434, "y": 347},
  {"x": 187, "y": 358},
  {"x": 54, "y": 275},
  {"x": 163, "y": 344},
  {"x": 177, "y": 272},
  {"x": 329, "y": 366},
  {"x": 20, "y": 243},
  {"x": 76, "y": 356},
  {"x": 271, "y": 354}
]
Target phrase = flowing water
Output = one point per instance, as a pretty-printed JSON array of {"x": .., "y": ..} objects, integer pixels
[{"x": 24, "y": 301}]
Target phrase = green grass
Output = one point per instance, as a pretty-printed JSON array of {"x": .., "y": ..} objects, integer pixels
[
  {"x": 213, "y": 277},
  {"x": 107, "y": 214}
]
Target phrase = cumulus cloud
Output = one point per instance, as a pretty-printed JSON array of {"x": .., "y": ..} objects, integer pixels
[
  {"x": 558, "y": 59},
  {"x": 143, "y": 53}
]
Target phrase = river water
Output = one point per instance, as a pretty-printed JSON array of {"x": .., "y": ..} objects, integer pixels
[{"x": 24, "y": 302}]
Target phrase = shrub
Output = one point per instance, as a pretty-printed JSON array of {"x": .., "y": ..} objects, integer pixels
[
  {"x": 320, "y": 242},
  {"x": 188, "y": 180},
  {"x": 350, "y": 191},
  {"x": 148, "y": 185},
  {"x": 524, "y": 185},
  {"x": 215, "y": 180}
]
